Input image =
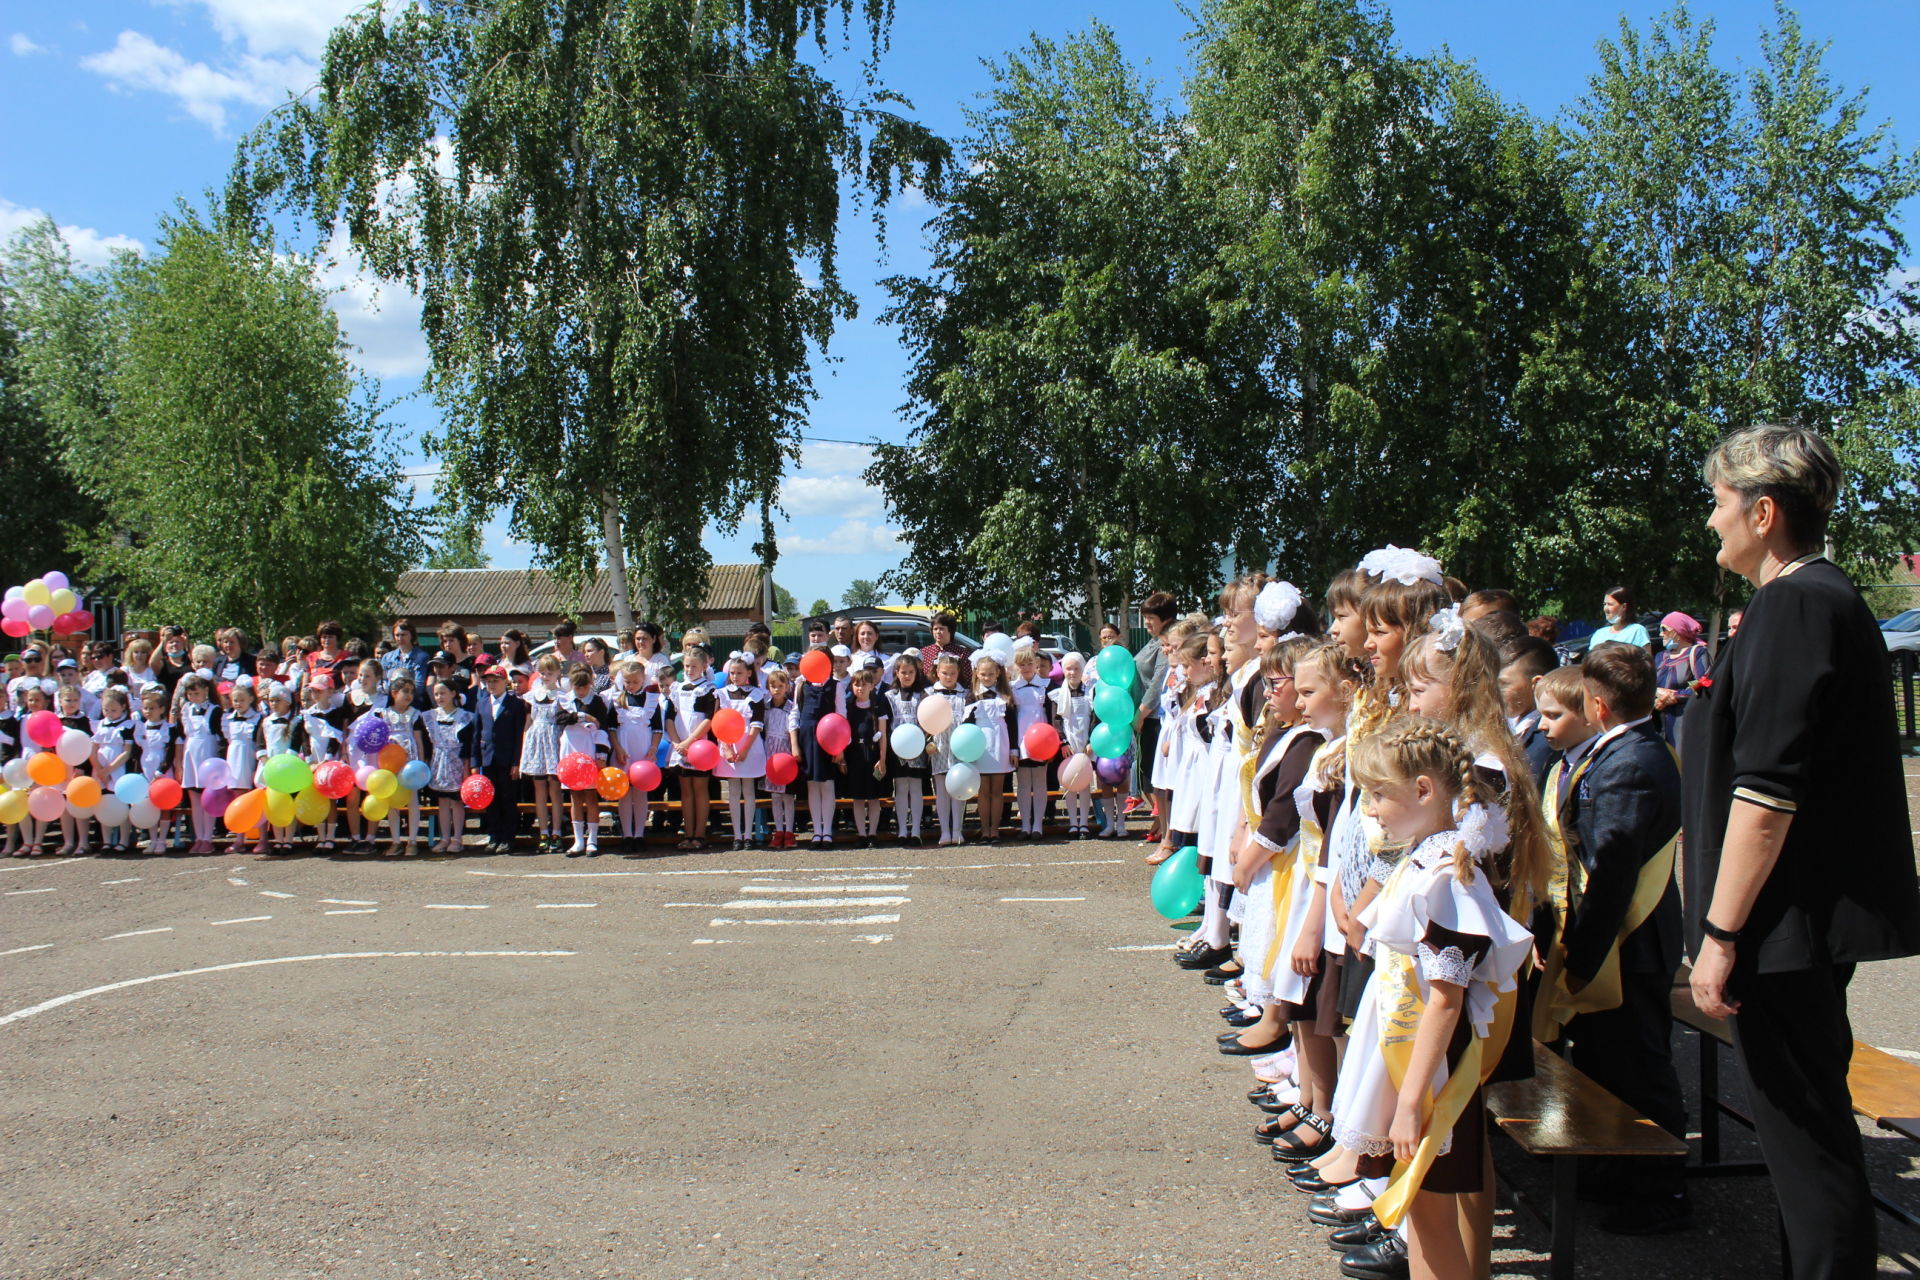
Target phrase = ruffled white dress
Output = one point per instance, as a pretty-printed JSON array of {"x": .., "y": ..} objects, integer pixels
[{"x": 1288, "y": 985}]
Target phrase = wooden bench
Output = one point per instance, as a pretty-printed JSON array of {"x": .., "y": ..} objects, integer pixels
[
  {"x": 1563, "y": 1115},
  {"x": 1885, "y": 1090}
]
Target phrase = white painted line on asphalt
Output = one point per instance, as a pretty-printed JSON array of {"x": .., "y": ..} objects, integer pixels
[
  {"x": 791, "y": 871},
  {"x": 140, "y": 933},
  {"x": 451, "y": 906},
  {"x": 41, "y": 866},
  {"x": 871, "y": 875},
  {"x": 38, "y": 946},
  {"x": 128, "y": 880},
  {"x": 749, "y": 904},
  {"x": 873, "y": 937},
  {"x": 563, "y": 906},
  {"x": 818, "y": 889},
  {"x": 354, "y": 911},
  {"x": 238, "y": 881},
  {"x": 269, "y": 893},
  {"x": 45, "y": 1005},
  {"x": 348, "y": 902},
  {"x": 242, "y": 920},
  {"x": 14, "y": 893},
  {"x": 1158, "y": 946},
  {"x": 194, "y": 871},
  {"x": 893, "y": 919},
  {"x": 1043, "y": 899},
  {"x": 712, "y": 906},
  {"x": 714, "y": 942}
]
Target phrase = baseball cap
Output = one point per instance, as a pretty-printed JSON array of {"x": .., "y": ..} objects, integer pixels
[
  {"x": 841, "y": 651},
  {"x": 64, "y": 663}
]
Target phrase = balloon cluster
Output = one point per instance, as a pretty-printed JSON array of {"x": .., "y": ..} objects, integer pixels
[
  {"x": 47, "y": 603},
  {"x": 44, "y": 784},
  {"x": 1113, "y": 703}
]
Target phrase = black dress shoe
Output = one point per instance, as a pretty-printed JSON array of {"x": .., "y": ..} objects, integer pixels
[
  {"x": 1272, "y": 1107},
  {"x": 1260, "y": 1094},
  {"x": 1309, "y": 1180},
  {"x": 1220, "y": 975},
  {"x": 1361, "y": 1234},
  {"x": 1650, "y": 1217},
  {"x": 1202, "y": 957},
  {"x": 1325, "y": 1211},
  {"x": 1240, "y": 1018},
  {"x": 1384, "y": 1259},
  {"x": 1234, "y": 1049}
]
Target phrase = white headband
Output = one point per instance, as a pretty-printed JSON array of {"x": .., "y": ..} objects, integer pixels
[
  {"x": 1276, "y": 605},
  {"x": 1403, "y": 565}
]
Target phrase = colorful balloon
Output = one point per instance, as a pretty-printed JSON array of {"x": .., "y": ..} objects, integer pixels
[
  {"x": 214, "y": 800},
  {"x": 935, "y": 715},
  {"x": 1178, "y": 884},
  {"x": 46, "y": 803},
  {"x": 613, "y": 783},
  {"x": 969, "y": 743},
  {"x": 287, "y": 773},
  {"x": 1113, "y": 705},
  {"x": 131, "y": 787},
  {"x": 14, "y": 607},
  {"x": 1076, "y": 774},
  {"x": 62, "y": 600},
  {"x": 40, "y": 616},
  {"x": 370, "y": 733},
  {"x": 816, "y": 666},
  {"x": 833, "y": 733},
  {"x": 37, "y": 593},
  {"x": 144, "y": 814},
  {"x": 16, "y": 627},
  {"x": 47, "y": 769},
  {"x": 963, "y": 782},
  {"x": 44, "y": 728},
  {"x": 908, "y": 741},
  {"x": 392, "y": 757},
  {"x": 245, "y": 811},
  {"x": 1041, "y": 741},
  {"x": 729, "y": 726},
  {"x": 372, "y": 807},
  {"x": 279, "y": 806},
  {"x": 577, "y": 771},
  {"x": 1115, "y": 666},
  {"x": 1114, "y": 771},
  {"x": 13, "y": 807},
  {"x": 56, "y": 581},
  {"x": 74, "y": 746},
  {"x": 14, "y": 774},
  {"x": 382, "y": 783},
  {"x": 164, "y": 793},
  {"x": 782, "y": 769},
  {"x": 703, "y": 755},
  {"x": 1111, "y": 741},
  {"x": 83, "y": 792},
  {"x": 311, "y": 807},
  {"x": 645, "y": 774},
  {"x": 333, "y": 779},
  {"x": 415, "y": 774},
  {"x": 213, "y": 774},
  {"x": 476, "y": 792}
]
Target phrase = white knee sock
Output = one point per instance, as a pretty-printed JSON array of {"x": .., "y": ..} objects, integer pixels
[{"x": 820, "y": 807}]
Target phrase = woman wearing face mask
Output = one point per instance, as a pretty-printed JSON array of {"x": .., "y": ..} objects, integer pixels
[
  {"x": 1680, "y": 665},
  {"x": 1620, "y": 628}
]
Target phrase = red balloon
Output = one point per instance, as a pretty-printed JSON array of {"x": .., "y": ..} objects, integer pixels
[
  {"x": 82, "y": 620},
  {"x": 833, "y": 733},
  {"x": 578, "y": 772},
  {"x": 165, "y": 793},
  {"x": 729, "y": 726},
  {"x": 782, "y": 769},
  {"x": 644, "y": 775},
  {"x": 816, "y": 667},
  {"x": 16, "y": 627},
  {"x": 1041, "y": 740},
  {"x": 333, "y": 779},
  {"x": 476, "y": 792},
  {"x": 703, "y": 755}
]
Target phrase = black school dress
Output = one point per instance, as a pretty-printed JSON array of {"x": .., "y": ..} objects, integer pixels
[
  {"x": 863, "y": 753},
  {"x": 816, "y": 701}
]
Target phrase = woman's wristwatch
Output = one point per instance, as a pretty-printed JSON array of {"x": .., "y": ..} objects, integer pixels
[{"x": 1714, "y": 931}]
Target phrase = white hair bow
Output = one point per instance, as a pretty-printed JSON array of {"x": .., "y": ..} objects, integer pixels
[
  {"x": 1448, "y": 630},
  {"x": 1484, "y": 831},
  {"x": 1403, "y": 565},
  {"x": 1275, "y": 606}
]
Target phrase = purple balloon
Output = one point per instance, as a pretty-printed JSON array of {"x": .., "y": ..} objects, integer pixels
[
  {"x": 215, "y": 800},
  {"x": 371, "y": 733},
  {"x": 1114, "y": 772},
  {"x": 40, "y": 616},
  {"x": 56, "y": 581}
]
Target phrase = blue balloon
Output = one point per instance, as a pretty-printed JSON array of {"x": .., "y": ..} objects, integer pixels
[
  {"x": 415, "y": 774},
  {"x": 130, "y": 787}
]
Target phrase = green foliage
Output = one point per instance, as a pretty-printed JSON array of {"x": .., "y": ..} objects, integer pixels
[
  {"x": 44, "y": 505},
  {"x": 457, "y": 543},
  {"x": 784, "y": 605},
  {"x": 862, "y": 593},
  {"x": 621, "y": 218},
  {"x": 820, "y": 609}
]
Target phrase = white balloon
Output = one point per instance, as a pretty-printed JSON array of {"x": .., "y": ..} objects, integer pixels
[
  {"x": 908, "y": 741},
  {"x": 963, "y": 781},
  {"x": 1076, "y": 774},
  {"x": 16, "y": 776},
  {"x": 144, "y": 814},
  {"x": 74, "y": 747},
  {"x": 111, "y": 810},
  {"x": 213, "y": 773}
]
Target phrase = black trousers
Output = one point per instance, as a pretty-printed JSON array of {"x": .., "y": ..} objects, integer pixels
[
  {"x": 1628, "y": 1051},
  {"x": 503, "y": 815},
  {"x": 1146, "y": 754},
  {"x": 1795, "y": 1042}
]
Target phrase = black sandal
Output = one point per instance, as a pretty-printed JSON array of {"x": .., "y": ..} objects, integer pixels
[{"x": 1291, "y": 1143}]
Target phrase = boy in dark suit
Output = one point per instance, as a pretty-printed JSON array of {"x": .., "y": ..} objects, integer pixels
[
  {"x": 1523, "y": 661},
  {"x": 1620, "y": 815},
  {"x": 503, "y": 722}
]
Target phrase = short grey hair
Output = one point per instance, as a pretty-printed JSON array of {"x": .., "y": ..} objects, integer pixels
[{"x": 1795, "y": 466}]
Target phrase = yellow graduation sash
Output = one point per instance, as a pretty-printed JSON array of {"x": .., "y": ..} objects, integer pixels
[
  {"x": 1306, "y": 853},
  {"x": 1555, "y": 1006},
  {"x": 1401, "y": 1008}
]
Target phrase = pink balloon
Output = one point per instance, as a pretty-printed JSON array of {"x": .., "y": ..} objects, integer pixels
[
  {"x": 40, "y": 616},
  {"x": 44, "y": 728},
  {"x": 55, "y": 581},
  {"x": 361, "y": 775},
  {"x": 47, "y": 803},
  {"x": 833, "y": 733},
  {"x": 644, "y": 775},
  {"x": 14, "y": 607},
  {"x": 1076, "y": 774},
  {"x": 16, "y": 627},
  {"x": 703, "y": 755}
]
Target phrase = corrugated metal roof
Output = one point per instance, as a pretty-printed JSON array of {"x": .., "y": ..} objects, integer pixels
[{"x": 534, "y": 593}]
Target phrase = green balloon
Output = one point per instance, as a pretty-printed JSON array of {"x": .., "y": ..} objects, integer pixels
[
  {"x": 1115, "y": 666},
  {"x": 1178, "y": 885},
  {"x": 1110, "y": 742},
  {"x": 1113, "y": 705},
  {"x": 288, "y": 774},
  {"x": 968, "y": 743}
]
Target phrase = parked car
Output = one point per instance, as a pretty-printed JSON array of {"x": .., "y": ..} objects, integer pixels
[
  {"x": 612, "y": 643},
  {"x": 1902, "y": 632}
]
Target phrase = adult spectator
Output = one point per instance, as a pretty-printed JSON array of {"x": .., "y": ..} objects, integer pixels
[
  {"x": 1479, "y": 604},
  {"x": 843, "y": 631},
  {"x": 1734, "y": 620},
  {"x": 596, "y": 656},
  {"x": 99, "y": 658},
  {"x": 326, "y": 659},
  {"x": 1799, "y": 857},
  {"x": 458, "y": 648},
  {"x": 1546, "y": 628},
  {"x": 176, "y": 657},
  {"x": 233, "y": 658},
  {"x": 406, "y": 656},
  {"x": 33, "y": 671},
  {"x": 139, "y": 665},
  {"x": 503, "y": 722},
  {"x": 516, "y": 654},
  {"x": 1617, "y": 604},
  {"x": 563, "y": 646},
  {"x": 649, "y": 644},
  {"x": 1157, "y": 611},
  {"x": 1681, "y": 662},
  {"x": 942, "y": 625}
]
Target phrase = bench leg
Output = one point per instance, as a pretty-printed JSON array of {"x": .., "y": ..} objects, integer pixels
[
  {"x": 1709, "y": 1099},
  {"x": 1565, "y": 1182}
]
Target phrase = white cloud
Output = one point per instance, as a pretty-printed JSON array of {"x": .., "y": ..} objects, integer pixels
[
  {"x": 23, "y": 46},
  {"x": 832, "y": 459},
  {"x": 851, "y": 537},
  {"x": 841, "y": 495},
  {"x": 276, "y": 26},
  {"x": 382, "y": 320},
  {"x": 89, "y": 247},
  {"x": 205, "y": 92}
]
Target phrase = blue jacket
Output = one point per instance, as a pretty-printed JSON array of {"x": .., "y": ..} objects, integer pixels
[{"x": 1623, "y": 811}]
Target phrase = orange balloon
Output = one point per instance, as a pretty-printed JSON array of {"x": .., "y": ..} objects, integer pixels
[
  {"x": 613, "y": 783},
  {"x": 729, "y": 725},
  {"x": 392, "y": 757},
  {"x": 816, "y": 667},
  {"x": 246, "y": 811},
  {"x": 83, "y": 792},
  {"x": 48, "y": 769}
]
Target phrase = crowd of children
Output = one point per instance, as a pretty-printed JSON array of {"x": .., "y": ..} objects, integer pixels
[{"x": 1425, "y": 845}]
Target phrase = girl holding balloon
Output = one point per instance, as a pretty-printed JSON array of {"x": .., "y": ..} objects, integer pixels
[
  {"x": 743, "y": 747},
  {"x": 74, "y": 828},
  {"x": 540, "y": 751},
  {"x": 200, "y": 745},
  {"x": 276, "y": 739},
  {"x": 240, "y": 729},
  {"x": 112, "y": 741},
  {"x": 908, "y": 768},
  {"x": 783, "y": 754},
  {"x": 822, "y": 693},
  {"x": 583, "y": 720},
  {"x": 452, "y": 734},
  {"x": 636, "y": 728},
  {"x": 990, "y": 710},
  {"x": 691, "y": 703},
  {"x": 937, "y": 715},
  {"x": 158, "y": 742},
  {"x": 404, "y": 730},
  {"x": 861, "y": 761},
  {"x": 316, "y": 737},
  {"x": 1030, "y": 709},
  {"x": 1072, "y": 703}
]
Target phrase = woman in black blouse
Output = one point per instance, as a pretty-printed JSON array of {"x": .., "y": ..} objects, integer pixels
[{"x": 1799, "y": 860}]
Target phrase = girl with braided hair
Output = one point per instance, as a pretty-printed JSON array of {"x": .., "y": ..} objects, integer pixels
[{"x": 1440, "y": 1005}]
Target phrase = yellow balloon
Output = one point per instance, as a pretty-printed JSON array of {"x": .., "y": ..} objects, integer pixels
[
  {"x": 311, "y": 807},
  {"x": 36, "y": 592},
  {"x": 382, "y": 783},
  {"x": 279, "y": 808},
  {"x": 63, "y": 601},
  {"x": 400, "y": 798},
  {"x": 13, "y": 807},
  {"x": 373, "y": 808}
]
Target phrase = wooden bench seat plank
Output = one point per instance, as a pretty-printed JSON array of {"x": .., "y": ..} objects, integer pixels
[{"x": 1560, "y": 1112}]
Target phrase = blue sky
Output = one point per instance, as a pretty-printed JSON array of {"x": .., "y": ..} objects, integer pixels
[{"x": 114, "y": 110}]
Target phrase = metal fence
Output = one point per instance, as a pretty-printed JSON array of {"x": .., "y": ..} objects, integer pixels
[{"x": 1904, "y": 668}]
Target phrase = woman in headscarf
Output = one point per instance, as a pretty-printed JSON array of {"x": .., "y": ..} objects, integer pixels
[{"x": 1678, "y": 668}]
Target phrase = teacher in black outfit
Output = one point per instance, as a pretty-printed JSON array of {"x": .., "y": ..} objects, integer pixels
[{"x": 1799, "y": 860}]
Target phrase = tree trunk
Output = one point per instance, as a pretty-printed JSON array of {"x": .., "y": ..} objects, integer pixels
[
  {"x": 616, "y": 561},
  {"x": 1095, "y": 610}
]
